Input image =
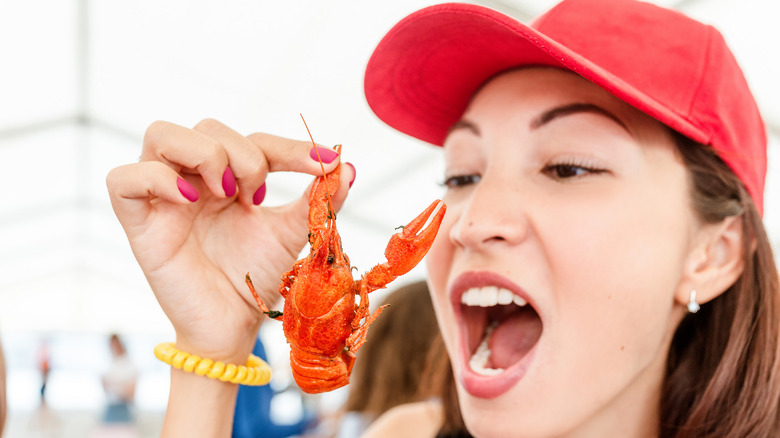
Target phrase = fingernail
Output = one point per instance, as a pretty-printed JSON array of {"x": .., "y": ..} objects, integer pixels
[
  {"x": 327, "y": 155},
  {"x": 354, "y": 174},
  {"x": 187, "y": 189},
  {"x": 259, "y": 195},
  {"x": 228, "y": 182}
]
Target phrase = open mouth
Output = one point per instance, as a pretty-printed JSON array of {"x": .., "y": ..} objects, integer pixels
[{"x": 501, "y": 328}]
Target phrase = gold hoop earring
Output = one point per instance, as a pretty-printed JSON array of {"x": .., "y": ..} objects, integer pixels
[{"x": 693, "y": 306}]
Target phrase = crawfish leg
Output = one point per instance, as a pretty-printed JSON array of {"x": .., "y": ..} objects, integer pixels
[
  {"x": 358, "y": 337},
  {"x": 362, "y": 309},
  {"x": 275, "y": 314},
  {"x": 360, "y": 329}
]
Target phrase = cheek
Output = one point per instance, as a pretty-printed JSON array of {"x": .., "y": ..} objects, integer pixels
[
  {"x": 621, "y": 267},
  {"x": 616, "y": 283}
]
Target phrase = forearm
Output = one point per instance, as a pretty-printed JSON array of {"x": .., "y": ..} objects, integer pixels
[{"x": 199, "y": 406}]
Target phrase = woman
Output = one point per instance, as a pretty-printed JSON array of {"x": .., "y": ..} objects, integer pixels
[
  {"x": 119, "y": 382},
  {"x": 615, "y": 323},
  {"x": 546, "y": 200},
  {"x": 602, "y": 269}
]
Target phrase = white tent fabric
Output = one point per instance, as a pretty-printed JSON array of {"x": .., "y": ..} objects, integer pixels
[{"x": 83, "y": 79}]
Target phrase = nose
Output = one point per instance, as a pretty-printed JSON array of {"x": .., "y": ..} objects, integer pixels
[{"x": 492, "y": 214}]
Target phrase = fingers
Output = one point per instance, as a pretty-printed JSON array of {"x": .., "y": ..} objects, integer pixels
[
  {"x": 283, "y": 154},
  {"x": 131, "y": 187},
  {"x": 187, "y": 151},
  {"x": 247, "y": 167},
  {"x": 230, "y": 163}
]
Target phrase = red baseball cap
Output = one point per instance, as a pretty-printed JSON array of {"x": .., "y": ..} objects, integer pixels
[{"x": 424, "y": 72}]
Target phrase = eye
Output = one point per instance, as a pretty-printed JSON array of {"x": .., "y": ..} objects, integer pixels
[
  {"x": 457, "y": 181},
  {"x": 571, "y": 170}
]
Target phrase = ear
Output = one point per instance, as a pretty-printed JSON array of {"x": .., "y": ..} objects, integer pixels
[{"x": 714, "y": 263}]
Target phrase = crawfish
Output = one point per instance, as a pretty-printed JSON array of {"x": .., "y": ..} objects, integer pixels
[{"x": 322, "y": 321}]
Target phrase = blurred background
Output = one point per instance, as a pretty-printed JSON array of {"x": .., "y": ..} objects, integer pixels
[{"x": 82, "y": 79}]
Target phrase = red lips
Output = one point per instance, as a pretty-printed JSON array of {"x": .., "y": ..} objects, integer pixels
[{"x": 509, "y": 346}]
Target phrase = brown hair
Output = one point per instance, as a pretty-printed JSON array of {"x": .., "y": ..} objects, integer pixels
[
  {"x": 115, "y": 341},
  {"x": 723, "y": 370},
  {"x": 439, "y": 379},
  {"x": 388, "y": 370}
]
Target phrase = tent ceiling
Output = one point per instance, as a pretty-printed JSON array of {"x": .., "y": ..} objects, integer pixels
[{"x": 83, "y": 80}]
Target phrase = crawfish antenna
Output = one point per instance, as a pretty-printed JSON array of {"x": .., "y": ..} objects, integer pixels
[
  {"x": 317, "y": 151},
  {"x": 322, "y": 166}
]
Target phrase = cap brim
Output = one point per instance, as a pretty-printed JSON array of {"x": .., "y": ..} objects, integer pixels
[{"x": 424, "y": 72}]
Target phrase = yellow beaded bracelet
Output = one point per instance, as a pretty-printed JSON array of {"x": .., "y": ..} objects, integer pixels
[{"x": 256, "y": 372}]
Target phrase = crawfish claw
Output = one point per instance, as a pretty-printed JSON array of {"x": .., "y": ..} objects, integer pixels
[
  {"x": 410, "y": 230},
  {"x": 408, "y": 247}
]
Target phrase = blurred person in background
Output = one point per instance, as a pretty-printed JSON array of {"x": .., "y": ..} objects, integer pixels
[
  {"x": 436, "y": 408},
  {"x": 45, "y": 421},
  {"x": 119, "y": 384},
  {"x": 44, "y": 367},
  {"x": 389, "y": 369}
]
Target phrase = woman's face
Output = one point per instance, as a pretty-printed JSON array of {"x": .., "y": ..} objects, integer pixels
[{"x": 564, "y": 197}]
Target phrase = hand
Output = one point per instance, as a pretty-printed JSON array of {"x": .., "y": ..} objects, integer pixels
[{"x": 195, "y": 253}]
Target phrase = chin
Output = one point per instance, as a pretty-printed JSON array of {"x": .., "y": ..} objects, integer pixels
[{"x": 496, "y": 419}]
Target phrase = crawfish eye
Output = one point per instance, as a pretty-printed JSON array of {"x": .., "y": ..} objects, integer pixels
[{"x": 331, "y": 259}]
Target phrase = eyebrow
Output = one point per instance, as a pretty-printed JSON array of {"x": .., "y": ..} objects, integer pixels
[
  {"x": 546, "y": 117},
  {"x": 573, "y": 108},
  {"x": 464, "y": 124}
]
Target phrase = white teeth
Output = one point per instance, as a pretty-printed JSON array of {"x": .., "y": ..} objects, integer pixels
[
  {"x": 505, "y": 297},
  {"x": 479, "y": 360},
  {"x": 489, "y": 296},
  {"x": 471, "y": 299}
]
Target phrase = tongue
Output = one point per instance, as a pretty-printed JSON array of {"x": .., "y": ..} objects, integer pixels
[{"x": 513, "y": 338}]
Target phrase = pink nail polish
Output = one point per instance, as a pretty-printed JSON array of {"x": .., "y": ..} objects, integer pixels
[
  {"x": 228, "y": 182},
  {"x": 327, "y": 155},
  {"x": 259, "y": 195},
  {"x": 354, "y": 174},
  {"x": 187, "y": 189}
]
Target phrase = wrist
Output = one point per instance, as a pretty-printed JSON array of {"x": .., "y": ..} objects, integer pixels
[
  {"x": 218, "y": 348},
  {"x": 203, "y": 391}
]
